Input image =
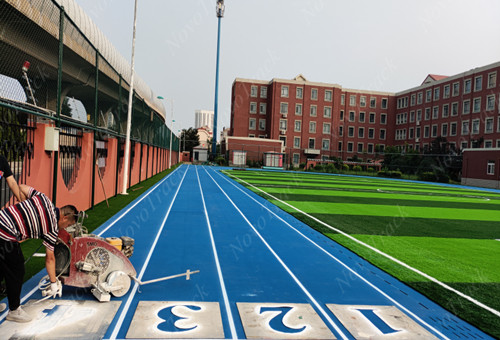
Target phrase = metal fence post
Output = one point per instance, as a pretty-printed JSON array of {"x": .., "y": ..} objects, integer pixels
[
  {"x": 59, "y": 93},
  {"x": 96, "y": 112}
]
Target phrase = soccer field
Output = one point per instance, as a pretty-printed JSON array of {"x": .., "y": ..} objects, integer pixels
[{"x": 447, "y": 232}]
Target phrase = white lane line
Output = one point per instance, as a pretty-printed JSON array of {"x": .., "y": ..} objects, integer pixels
[
  {"x": 430, "y": 278},
  {"x": 139, "y": 201},
  {"x": 297, "y": 281},
  {"x": 124, "y": 311},
  {"x": 343, "y": 264},
  {"x": 217, "y": 263},
  {"x": 34, "y": 290}
]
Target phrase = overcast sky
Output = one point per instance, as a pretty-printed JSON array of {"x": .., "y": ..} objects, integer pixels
[{"x": 383, "y": 45}]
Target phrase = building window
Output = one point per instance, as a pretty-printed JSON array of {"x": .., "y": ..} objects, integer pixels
[
  {"x": 253, "y": 91},
  {"x": 370, "y": 148},
  {"x": 360, "y": 147},
  {"x": 434, "y": 130},
  {"x": 350, "y": 146},
  {"x": 296, "y": 142},
  {"x": 327, "y": 112},
  {"x": 492, "y": 80},
  {"x": 326, "y": 128},
  {"x": 488, "y": 144},
  {"x": 467, "y": 85},
  {"x": 371, "y": 118},
  {"x": 312, "y": 143},
  {"x": 453, "y": 129},
  {"x": 419, "y": 115},
  {"x": 341, "y": 131},
  {"x": 314, "y": 94},
  {"x": 284, "y": 108},
  {"x": 328, "y": 96},
  {"x": 427, "y": 113},
  {"x": 475, "y": 126},
  {"x": 490, "y": 169},
  {"x": 444, "y": 130},
  {"x": 312, "y": 127},
  {"x": 490, "y": 102},
  {"x": 251, "y": 135},
  {"x": 342, "y": 115},
  {"x": 412, "y": 116},
  {"x": 428, "y": 95},
  {"x": 498, "y": 125},
  {"x": 263, "y": 92},
  {"x": 417, "y": 132},
  {"x": 350, "y": 131},
  {"x": 352, "y": 100},
  {"x": 342, "y": 99},
  {"x": 296, "y": 158},
  {"x": 283, "y": 124},
  {"x": 297, "y": 127},
  {"x": 454, "y": 109},
  {"x": 262, "y": 124},
  {"x": 252, "y": 124},
  {"x": 383, "y": 118},
  {"x": 298, "y": 109},
  {"x": 478, "y": 83},
  {"x": 351, "y": 116},
  {"x": 325, "y": 145},
  {"x": 411, "y": 133},
  {"x": 465, "y": 127},
  {"x": 384, "y": 103},
  {"x": 488, "y": 125},
  {"x": 466, "y": 107},
  {"x": 371, "y": 133},
  {"x": 340, "y": 146},
  {"x": 446, "y": 110},
  {"x": 284, "y": 91},
  {"x": 313, "y": 111},
  {"x": 446, "y": 91},
  {"x": 463, "y": 145},
  {"x": 456, "y": 89},
  {"x": 373, "y": 102},
  {"x": 476, "y": 107},
  {"x": 426, "y": 131},
  {"x": 419, "y": 98},
  {"x": 253, "y": 107},
  {"x": 362, "y": 101},
  {"x": 361, "y": 132},
  {"x": 382, "y": 134},
  {"x": 262, "y": 108},
  {"x": 299, "y": 92},
  {"x": 412, "y": 99},
  {"x": 361, "y": 117},
  {"x": 498, "y": 143},
  {"x": 435, "y": 112},
  {"x": 436, "y": 93}
]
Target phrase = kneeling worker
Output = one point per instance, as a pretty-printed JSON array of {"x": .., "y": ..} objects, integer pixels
[{"x": 36, "y": 217}]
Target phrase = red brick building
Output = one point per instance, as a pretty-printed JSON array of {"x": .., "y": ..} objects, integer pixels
[{"x": 320, "y": 120}]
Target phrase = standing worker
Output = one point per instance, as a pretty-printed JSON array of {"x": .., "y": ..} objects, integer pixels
[
  {"x": 6, "y": 172},
  {"x": 36, "y": 217}
]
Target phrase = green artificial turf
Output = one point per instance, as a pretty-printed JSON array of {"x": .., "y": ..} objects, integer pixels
[{"x": 446, "y": 232}]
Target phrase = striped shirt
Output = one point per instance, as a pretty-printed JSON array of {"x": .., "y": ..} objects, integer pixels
[{"x": 32, "y": 218}]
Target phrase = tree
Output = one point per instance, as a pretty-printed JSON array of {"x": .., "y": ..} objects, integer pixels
[{"x": 189, "y": 139}]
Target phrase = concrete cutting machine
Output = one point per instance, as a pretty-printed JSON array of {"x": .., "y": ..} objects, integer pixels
[{"x": 102, "y": 264}]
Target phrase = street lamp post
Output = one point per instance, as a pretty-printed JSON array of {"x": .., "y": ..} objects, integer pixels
[
  {"x": 220, "y": 13},
  {"x": 129, "y": 112}
]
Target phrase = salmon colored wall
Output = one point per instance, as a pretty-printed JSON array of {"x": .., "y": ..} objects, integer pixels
[{"x": 40, "y": 175}]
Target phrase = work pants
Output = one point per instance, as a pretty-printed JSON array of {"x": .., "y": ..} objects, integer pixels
[{"x": 12, "y": 270}]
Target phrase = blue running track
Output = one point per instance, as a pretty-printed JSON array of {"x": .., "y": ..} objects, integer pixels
[{"x": 269, "y": 274}]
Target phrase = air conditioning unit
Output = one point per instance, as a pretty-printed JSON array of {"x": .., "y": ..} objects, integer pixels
[
  {"x": 417, "y": 140},
  {"x": 418, "y": 122},
  {"x": 284, "y": 114},
  {"x": 283, "y": 132}
]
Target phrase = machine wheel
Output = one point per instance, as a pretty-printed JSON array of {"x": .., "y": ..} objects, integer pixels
[{"x": 119, "y": 282}]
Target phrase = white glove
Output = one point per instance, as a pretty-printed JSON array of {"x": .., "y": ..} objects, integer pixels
[{"x": 55, "y": 289}]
